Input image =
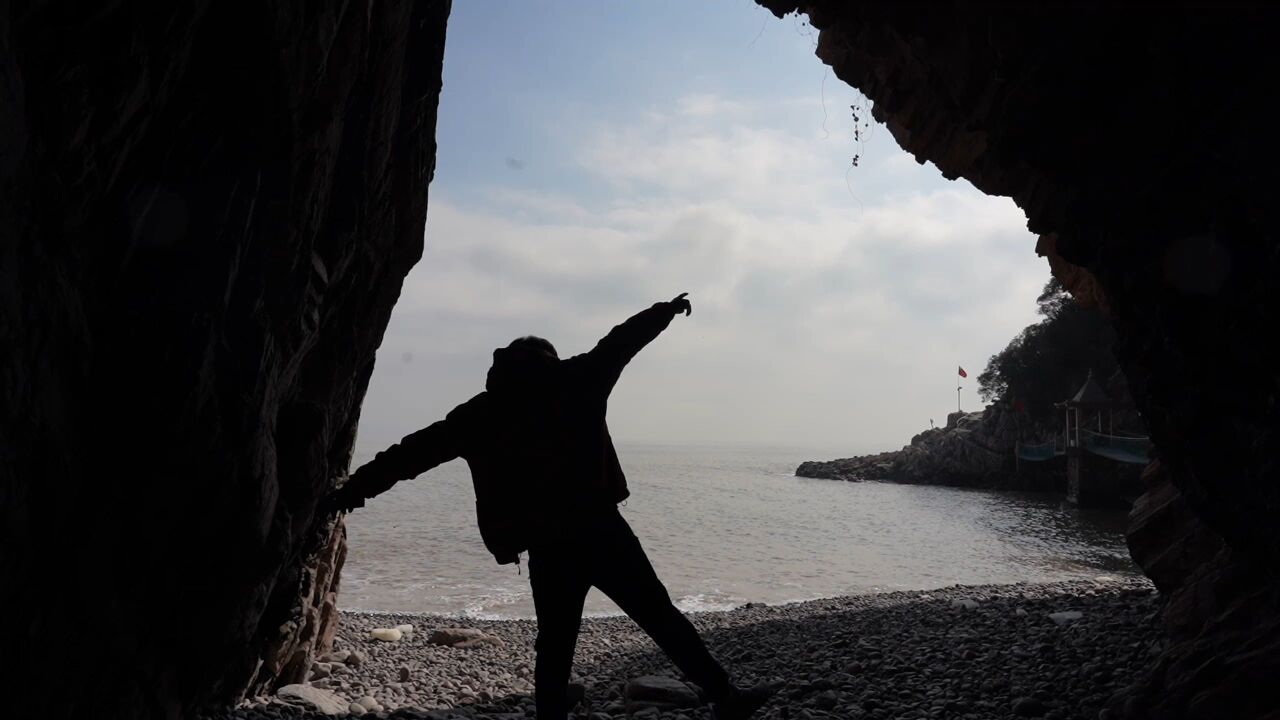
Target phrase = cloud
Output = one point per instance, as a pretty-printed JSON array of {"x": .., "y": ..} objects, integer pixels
[
  {"x": 707, "y": 105},
  {"x": 816, "y": 319},
  {"x": 711, "y": 150}
]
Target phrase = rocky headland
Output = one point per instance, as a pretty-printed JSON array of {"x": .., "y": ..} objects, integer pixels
[
  {"x": 1057, "y": 650},
  {"x": 972, "y": 450}
]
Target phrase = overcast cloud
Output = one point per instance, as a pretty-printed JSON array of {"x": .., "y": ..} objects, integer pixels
[{"x": 832, "y": 303}]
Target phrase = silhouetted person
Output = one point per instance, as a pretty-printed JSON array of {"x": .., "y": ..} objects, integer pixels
[{"x": 547, "y": 480}]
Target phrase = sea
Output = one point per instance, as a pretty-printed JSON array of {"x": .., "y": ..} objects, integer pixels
[{"x": 726, "y": 525}]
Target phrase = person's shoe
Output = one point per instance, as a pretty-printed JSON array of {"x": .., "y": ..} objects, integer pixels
[{"x": 741, "y": 704}]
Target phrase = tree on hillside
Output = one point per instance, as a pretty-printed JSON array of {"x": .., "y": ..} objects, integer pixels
[{"x": 1047, "y": 362}]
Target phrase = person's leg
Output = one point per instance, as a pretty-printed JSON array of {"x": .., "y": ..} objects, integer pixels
[
  {"x": 622, "y": 571},
  {"x": 559, "y": 588}
]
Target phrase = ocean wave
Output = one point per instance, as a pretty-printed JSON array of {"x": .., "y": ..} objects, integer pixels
[
  {"x": 703, "y": 602},
  {"x": 485, "y": 606}
]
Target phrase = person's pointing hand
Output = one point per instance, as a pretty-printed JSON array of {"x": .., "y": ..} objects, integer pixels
[{"x": 681, "y": 305}]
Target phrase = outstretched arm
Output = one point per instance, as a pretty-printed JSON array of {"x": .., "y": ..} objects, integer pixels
[
  {"x": 616, "y": 349},
  {"x": 412, "y": 456}
]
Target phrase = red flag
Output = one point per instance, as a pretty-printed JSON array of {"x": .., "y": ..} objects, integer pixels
[{"x": 963, "y": 373}]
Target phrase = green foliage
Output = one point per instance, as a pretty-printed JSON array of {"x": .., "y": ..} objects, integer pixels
[{"x": 1049, "y": 361}]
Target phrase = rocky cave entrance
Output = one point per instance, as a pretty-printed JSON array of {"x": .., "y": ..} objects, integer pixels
[
  {"x": 566, "y": 198},
  {"x": 204, "y": 242}
]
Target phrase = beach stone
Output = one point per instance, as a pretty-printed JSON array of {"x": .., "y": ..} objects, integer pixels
[
  {"x": 1028, "y": 707},
  {"x": 385, "y": 634},
  {"x": 367, "y": 702},
  {"x": 462, "y": 638},
  {"x": 660, "y": 692},
  {"x": 356, "y": 709},
  {"x": 840, "y": 662},
  {"x": 1067, "y": 616},
  {"x": 315, "y": 698},
  {"x": 964, "y": 603},
  {"x": 355, "y": 658},
  {"x": 404, "y": 673},
  {"x": 827, "y": 700},
  {"x": 337, "y": 656}
]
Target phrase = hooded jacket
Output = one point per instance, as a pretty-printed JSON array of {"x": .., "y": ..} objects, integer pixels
[{"x": 536, "y": 440}]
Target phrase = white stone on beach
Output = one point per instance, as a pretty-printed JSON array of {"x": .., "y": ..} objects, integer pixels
[
  {"x": 385, "y": 634},
  {"x": 318, "y": 699},
  {"x": 367, "y": 702},
  {"x": 356, "y": 709},
  {"x": 405, "y": 629}
]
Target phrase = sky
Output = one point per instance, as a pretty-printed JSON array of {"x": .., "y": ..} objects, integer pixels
[{"x": 596, "y": 157}]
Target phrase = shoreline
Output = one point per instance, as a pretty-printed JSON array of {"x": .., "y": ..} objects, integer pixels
[
  {"x": 963, "y": 651},
  {"x": 441, "y": 617}
]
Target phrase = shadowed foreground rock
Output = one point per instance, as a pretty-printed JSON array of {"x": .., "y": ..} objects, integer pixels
[{"x": 206, "y": 213}]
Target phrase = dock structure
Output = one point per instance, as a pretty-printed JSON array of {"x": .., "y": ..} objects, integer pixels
[{"x": 1098, "y": 460}]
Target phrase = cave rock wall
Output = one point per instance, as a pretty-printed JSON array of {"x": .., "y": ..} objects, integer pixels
[
  {"x": 1139, "y": 143},
  {"x": 206, "y": 214}
]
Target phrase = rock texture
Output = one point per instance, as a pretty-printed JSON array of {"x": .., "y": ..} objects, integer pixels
[
  {"x": 462, "y": 638},
  {"x": 972, "y": 450},
  {"x": 207, "y": 210},
  {"x": 661, "y": 693},
  {"x": 313, "y": 698},
  {"x": 962, "y": 652},
  {"x": 1222, "y": 611},
  {"x": 1144, "y": 158},
  {"x": 206, "y": 213}
]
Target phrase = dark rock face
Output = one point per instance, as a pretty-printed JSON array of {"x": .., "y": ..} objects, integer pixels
[
  {"x": 1140, "y": 146},
  {"x": 1222, "y": 613},
  {"x": 973, "y": 450},
  {"x": 878, "y": 466},
  {"x": 206, "y": 213}
]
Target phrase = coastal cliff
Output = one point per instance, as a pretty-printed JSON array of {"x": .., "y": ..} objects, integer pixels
[{"x": 972, "y": 450}]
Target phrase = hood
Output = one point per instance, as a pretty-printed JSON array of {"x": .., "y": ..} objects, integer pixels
[{"x": 518, "y": 373}]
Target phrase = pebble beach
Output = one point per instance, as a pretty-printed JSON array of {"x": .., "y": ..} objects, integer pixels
[{"x": 1053, "y": 650}]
